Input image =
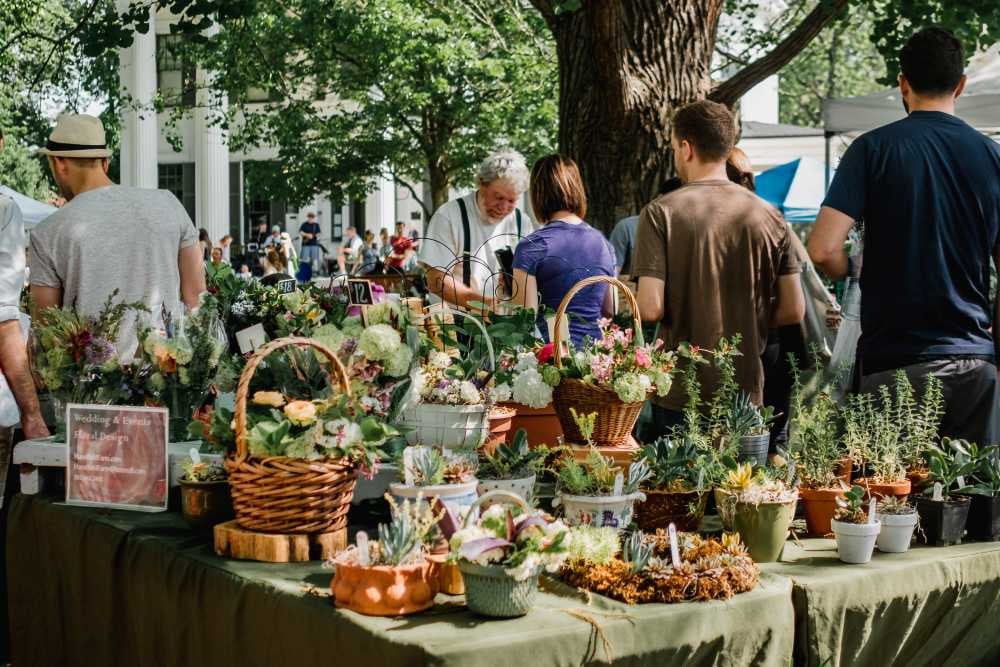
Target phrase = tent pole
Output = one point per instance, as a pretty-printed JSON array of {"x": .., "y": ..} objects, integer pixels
[{"x": 828, "y": 137}]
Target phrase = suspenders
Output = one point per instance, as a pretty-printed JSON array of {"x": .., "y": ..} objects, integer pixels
[{"x": 467, "y": 240}]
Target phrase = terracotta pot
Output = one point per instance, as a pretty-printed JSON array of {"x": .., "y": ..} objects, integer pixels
[
  {"x": 819, "y": 506},
  {"x": 893, "y": 489},
  {"x": 500, "y": 420},
  {"x": 541, "y": 424},
  {"x": 920, "y": 479},
  {"x": 205, "y": 504},
  {"x": 843, "y": 469},
  {"x": 384, "y": 590},
  {"x": 661, "y": 508}
]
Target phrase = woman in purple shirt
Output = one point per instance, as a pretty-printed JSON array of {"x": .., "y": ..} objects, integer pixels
[{"x": 548, "y": 262}]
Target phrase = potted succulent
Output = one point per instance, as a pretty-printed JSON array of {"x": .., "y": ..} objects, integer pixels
[
  {"x": 760, "y": 508},
  {"x": 502, "y": 554},
  {"x": 676, "y": 491},
  {"x": 511, "y": 468},
  {"x": 595, "y": 492},
  {"x": 899, "y": 520},
  {"x": 392, "y": 576},
  {"x": 205, "y": 499},
  {"x": 856, "y": 533},
  {"x": 750, "y": 425},
  {"x": 984, "y": 495},
  {"x": 431, "y": 472},
  {"x": 874, "y": 440},
  {"x": 943, "y": 515}
]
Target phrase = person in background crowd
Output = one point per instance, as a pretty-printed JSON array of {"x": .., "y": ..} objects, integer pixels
[
  {"x": 928, "y": 190},
  {"x": 76, "y": 253},
  {"x": 274, "y": 262},
  {"x": 403, "y": 258},
  {"x": 309, "y": 232},
  {"x": 463, "y": 236},
  {"x": 225, "y": 243},
  {"x": 245, "y": 273},
  {"x": 368, "y": 261},
  {"x": 287, "y": 249},
  {"x": 384, "y": 247},
  {"x": 400, "y": 233},
  {"x": 205, "y": 243},
  {"x": 623, "y": 235},
  {"x": 260, "y": 236},
  {"x": 350, "y": 249},
  {"x": 274, "y": 239},
  {"x": 713, "y": 260},
  {"x": 563, "y": 251},
  {"x": 14, "y": 367},
  {"x": 217, "y": 257}
]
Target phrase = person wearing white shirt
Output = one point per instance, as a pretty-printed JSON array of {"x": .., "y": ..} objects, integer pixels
[
  {"x": 350, "y": 249},
  {"x": 459, "y": 248}
]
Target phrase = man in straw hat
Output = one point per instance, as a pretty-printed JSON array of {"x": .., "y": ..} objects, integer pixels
[{"x": 138, "y": 241}]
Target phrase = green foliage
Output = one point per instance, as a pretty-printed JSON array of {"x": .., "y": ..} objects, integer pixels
[
  {"x": 986, "y": 475},
  {"x": 894, "y": 505},
  {"x": 585, "y": 423},
  {"x": 400, "y": 540},
  {"x": 813, "y": 433},
  {"x": 203, "y": 471},
  {"x": 677, "y": 464},
  {"x": 850, "y": 507},
  {"x": 22, "y": 171},
  {"x": 595, "y": 476},
  {"x": 872, "y": 435},
  {"x": 515, "y": 461},
  {"x": 950, "y": 463},
  {"x": 743, "y": 418},
  {"x": 636, "y": 552}
]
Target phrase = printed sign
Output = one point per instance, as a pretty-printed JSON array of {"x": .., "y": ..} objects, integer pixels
[
  {"x": 251, "y": 338},
  {"x": 116, "y": 456},
  {"x": 360, "y": 292},
  {"x": 286, "y": 286}
]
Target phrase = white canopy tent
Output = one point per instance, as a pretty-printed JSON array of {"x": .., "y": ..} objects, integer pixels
[{"x": 32, "y": 211}]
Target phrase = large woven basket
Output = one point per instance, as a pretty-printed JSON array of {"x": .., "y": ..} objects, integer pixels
[
  {"x": 615, "y": 418},
  {"x": 279, "y": 494}
]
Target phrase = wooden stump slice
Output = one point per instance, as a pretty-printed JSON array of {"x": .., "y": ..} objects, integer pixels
[{"x": 236, "y": 542}]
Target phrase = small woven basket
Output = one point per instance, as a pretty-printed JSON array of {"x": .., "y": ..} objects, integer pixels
[
  {"x": 615, "y": 418},
  {"x": 279, "y": 494}
]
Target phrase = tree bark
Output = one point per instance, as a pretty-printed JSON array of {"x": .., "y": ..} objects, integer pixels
[{"x": 440, "y": 182}]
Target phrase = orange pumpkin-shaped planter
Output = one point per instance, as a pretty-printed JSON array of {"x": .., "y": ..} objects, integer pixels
[{"x": 385, "y": 590}]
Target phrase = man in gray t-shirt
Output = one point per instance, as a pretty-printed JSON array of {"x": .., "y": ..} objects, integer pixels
[{"x": 138, "y": 241}]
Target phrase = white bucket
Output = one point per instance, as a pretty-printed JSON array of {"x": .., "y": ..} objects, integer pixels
[{"x": 523, "y": 487}]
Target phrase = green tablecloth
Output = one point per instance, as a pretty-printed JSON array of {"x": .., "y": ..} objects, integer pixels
[
  {"x": 97, "y": 587},
  {"x": 930, "y": 606}
]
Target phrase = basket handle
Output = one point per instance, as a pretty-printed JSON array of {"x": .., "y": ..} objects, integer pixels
[
  {"x": 498, "y": 494},
  {"x": 445, "y": 309},
  {"x": 243, "y": 388},
  {"x": 587, "y": 282}
]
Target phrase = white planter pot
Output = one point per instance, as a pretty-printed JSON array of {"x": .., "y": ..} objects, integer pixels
[
  {"x": 599, "y": 511},
  {"x": 897, "y": 532},
  {"x": 446, "y": 425},
  {"x": 524, "y": 487},
  {"x": 855, "y": 541},
  {"x": 456, "y": 497}
]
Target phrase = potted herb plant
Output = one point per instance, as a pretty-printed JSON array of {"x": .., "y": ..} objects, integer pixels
[
  {"x": 918, "y": 423},
  {"x": 595, "y": 492},
  {"x": 874, "y": 440},
  {"x": 205, "y": 498},
  {"x": 502, "y": 554},
  {"x": 943, "y": 514},
  {"x": 750, "y": 425},
  {"x": 899, "y": 520},
  {"x": 511, "y": 468},
  {"x": 984, "y": 495},
  {"x": 856, "y": 534},
  {"x": 761, "y": 510},
  {"x": 676, "y": 491},
  {"x": 432, "y": 472},
  {"x": 391, "y": 576}
]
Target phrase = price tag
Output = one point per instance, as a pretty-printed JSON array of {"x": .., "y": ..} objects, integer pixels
[
  {"x": 251, "y": 338},
  {"x": 871, "y": 510},
  {"x": 359, "y": 291},
  {"x": 286, "y": 286},
  {"x": 937, "y": 491},
  {"x": 619, "y": 484},
  {"x": 362, "y": 541},
  {"x": 675, "y": 555},
  {"x": 195, "y": 456}
]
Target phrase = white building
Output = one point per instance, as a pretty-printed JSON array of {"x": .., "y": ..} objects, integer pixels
[{"x": 204, "y": 174}]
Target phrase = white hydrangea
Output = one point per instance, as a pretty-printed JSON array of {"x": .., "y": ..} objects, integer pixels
[
  {"x": 382, "y": 313},
  {"x": 328, "y": 335},
  {"x": 494, "y": 512},
  {"x": 469, "y": 393},
  {"x": 439, "y": 359},
  {"x": 501, "y": 392},
  {"x": 344, "y": 433},
  {"x": 399, "y": 363},
  {"x": 525, "y": 361},
  {"x": 530, "y": 389},
  {"x": 379, "y": 342},
  {"x": 528, "y": 567}
]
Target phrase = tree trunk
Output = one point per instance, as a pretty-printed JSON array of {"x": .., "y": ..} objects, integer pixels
[
  {"x": 624, "y": 67},
  {"x": 440, "y": 182}
]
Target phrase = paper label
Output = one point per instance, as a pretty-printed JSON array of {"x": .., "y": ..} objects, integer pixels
[
  {"x": 195, "y": 456},
  {"x": 619, "y": 484},
  {"x": 362, "y": 541},
  {"x": 408, "y": 466},
  {"x": 961, "y": 481},
  {"x": 251, "y": 338},
  {"x": 675, "y": 555},
  {"x": 937, "y": 491},
  {"x": 871, "y": 510},
  {"x": 701, "y": 480}
]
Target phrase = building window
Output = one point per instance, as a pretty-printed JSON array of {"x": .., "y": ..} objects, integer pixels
[
  {"x": 179, "y": 179},
  {"x": 175, "y": 71}
]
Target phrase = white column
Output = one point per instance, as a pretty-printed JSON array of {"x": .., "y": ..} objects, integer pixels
[
  {"x": 139, "y": 133},
  {"x": 380, "y": 206},
  {"x": 211, "y": 167}
]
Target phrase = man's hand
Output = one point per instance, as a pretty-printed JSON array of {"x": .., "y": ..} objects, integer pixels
[{"x": 34, "y": 428}]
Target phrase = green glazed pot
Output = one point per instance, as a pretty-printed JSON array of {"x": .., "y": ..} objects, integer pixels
[
  {"x": 764, "y": 528},
  {"x": 490, "y": 591}
]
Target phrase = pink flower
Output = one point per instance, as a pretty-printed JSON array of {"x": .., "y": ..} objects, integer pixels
[
  {"x": 642, "y": 358},
  {"x": 601, "y": 366},
  {"x": 544, "y": 353}
]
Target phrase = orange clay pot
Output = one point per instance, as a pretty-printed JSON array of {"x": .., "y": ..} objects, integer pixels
[
  {"x": 819, "y": 506},
  {"x": 384, "y": 590},
  {"x": 843, "y": 469},
  {"x": 894, "y": 489},
  {"x": 500, "y": 418},
  {"x": 542, "y": 424}
]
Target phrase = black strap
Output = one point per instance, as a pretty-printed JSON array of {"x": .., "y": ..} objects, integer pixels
[
  {"x": 466, "y": 244},
  {"x": 517, "y": 216},
  {"x": 59, "y": 146}
]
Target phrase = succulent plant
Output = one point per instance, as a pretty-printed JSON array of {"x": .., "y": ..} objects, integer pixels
[
  {"x": 895, "y": 505},
  {"x": 203, "y": 471},
  {"x": 595, "y": 476},
  {"x": 850, "y": 508},
  {"x": 744, "y": 418},
  {"x": 676, "y": 463},
  {"x": 637, "y": 552},
  {"x": 512, "y": 462},
  {"x": 400, "y": 540}
]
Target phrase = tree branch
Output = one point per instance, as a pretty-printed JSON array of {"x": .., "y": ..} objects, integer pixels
[
  {"x": 731, "y": 90},
  {"x": 408, "y": 186}
]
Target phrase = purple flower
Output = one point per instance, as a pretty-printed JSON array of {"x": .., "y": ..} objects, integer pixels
[{"x": 99, "y": 351}]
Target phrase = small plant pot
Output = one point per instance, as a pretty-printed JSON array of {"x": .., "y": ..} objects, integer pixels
[
  {"x": 920, "y": 479},
  {"x": 490, "y": 591},
  {"x": 450, "y": 426},
  {"x": 523, "y": 487},
  {"x": 900, "y": 489},
  {"x": 684, "y": 509},
  {"x": 844, "y": 468},
  {"x": 384, "y": 590},
  {"x": 500, "y": 420},
  {"x": 599, "y": 511},
  {"x": 897, "y": 532},
  {"x": 753, "y": 449},
  {"x": 456, "y": 497},
  {"x": 943, "y": 521},
  {"x": 764, "y": 528},
  {"x": 541, "y": 424},
  {"x": 819, "y": 506},
  {"x": 984, "y": 517},
  {"x": 205, "y": 504},
  {"x": 855, "y": 541}
]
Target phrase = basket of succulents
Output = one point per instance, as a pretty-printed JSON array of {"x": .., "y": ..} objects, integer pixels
[
  {"x": 855, "y": 531},
  {"x": 502, "y": 553},
  {"x": 676, "y": 491},
  {"x": 434, "y": 472},
  {"x": 643, "y": 568},
  {"x": 984, "y": 494},
  {"x": 296, "y": 462},
  {"x": 761, "y": 507},
  {"x": 185, "y": 354},
  {"x": 511, "y": 467},
  {"x": 595, "y": 492},
  {"x": 205, "y": 497},
  {"x": 873, "y": 438},
  {"x": 943, "y": 512},
  {"x": 612, "y": 376},
  {"x": 899, "y": 520},
  {"x": 391, "y": 576}
]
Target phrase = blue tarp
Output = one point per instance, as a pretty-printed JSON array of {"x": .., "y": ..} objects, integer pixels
[{"x": 795, "y": 188}]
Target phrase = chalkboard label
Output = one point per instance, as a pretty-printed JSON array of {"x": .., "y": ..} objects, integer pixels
[
  {"x": 286, "y": 286},
  {"x": 360, "y": 292}
]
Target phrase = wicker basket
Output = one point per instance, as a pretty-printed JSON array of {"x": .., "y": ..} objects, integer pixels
[
  {"x": 615, "y": 418},
  {"x": 286, "y": 495}
]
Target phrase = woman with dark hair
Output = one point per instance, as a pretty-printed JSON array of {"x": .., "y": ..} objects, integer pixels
[
  {"x": 205, "y": 241},
  {"x": 549, "y": 261},
  {"x": 739, "y": 170}
]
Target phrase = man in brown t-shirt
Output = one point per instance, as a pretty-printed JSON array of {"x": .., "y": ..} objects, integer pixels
[{"x": 713, "y": 259}]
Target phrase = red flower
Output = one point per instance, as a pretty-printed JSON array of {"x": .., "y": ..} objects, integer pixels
[{"x": 544, "y": 353}]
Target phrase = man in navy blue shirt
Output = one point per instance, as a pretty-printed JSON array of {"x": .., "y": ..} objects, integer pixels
[{"x": 927, "y": 192}]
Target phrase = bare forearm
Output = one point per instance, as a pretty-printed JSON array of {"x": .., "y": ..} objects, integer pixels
[
  {"x": 14, "y": 361},
  {"x": 451, "y": 289}
]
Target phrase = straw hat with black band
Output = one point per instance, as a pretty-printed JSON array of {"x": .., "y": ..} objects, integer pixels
[{"x": 77, "y": 135}]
